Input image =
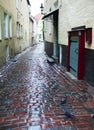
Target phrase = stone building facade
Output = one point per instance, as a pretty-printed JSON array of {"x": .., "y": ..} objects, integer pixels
[
  {"x": 69, "y": 35},
  {"x": 14, "y": 28}
]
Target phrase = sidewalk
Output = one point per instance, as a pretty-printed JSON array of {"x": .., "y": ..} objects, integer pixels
[{"x": 8, "y": 65}]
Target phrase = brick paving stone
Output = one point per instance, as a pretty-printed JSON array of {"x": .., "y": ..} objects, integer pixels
[
  {"x": 46, "y": 126},
  {"x": 1, "y": 120},
  {"x": 83, "y": 126},
  {"x": 31, "y": 91}
]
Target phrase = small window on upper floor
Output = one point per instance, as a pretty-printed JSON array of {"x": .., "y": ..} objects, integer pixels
[
  {"x": 5, "y": 25},
  {"x": 0, "y": 30},
  {"x": 18, "y": 4},
  {"x": 10, "y": 27},
  {"x": 21, "y": 31},
  {"x": 17, "y": 30},
  {"x": 56, "y": 3}
]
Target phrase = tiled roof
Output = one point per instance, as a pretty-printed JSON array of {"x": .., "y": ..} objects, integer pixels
[{"x": 38, "y": 17}]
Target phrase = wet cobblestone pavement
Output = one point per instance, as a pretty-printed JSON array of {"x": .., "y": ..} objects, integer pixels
[{"x": 35, "y": 95}]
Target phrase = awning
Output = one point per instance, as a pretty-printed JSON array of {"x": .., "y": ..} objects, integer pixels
[{"x": 51, "y": 13}]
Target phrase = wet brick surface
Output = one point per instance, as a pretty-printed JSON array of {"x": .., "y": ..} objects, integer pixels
[{"x": 31, "y": 91}]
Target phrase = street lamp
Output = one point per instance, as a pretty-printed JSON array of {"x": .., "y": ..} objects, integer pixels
[{"x": 42, "y": 8}]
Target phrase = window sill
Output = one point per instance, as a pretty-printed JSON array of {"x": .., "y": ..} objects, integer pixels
[{"x": 6, "y": 38}]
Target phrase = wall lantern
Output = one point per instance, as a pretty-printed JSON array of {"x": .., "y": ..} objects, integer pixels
[
  {"x": 42, "y": 8},
  {"x": 89, "y": 35}
]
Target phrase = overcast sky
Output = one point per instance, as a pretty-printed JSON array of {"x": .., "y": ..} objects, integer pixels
[{"x": 35, "y": 6}]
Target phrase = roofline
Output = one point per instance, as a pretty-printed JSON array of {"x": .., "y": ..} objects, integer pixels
[
  {"x": 31, "y": 19},
  {"x": 28, "y": 2}
]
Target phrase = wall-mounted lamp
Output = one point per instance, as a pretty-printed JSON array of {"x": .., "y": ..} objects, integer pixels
[
  {"x": 89, "y": 35},
  {"x": 42, "y": 8}
]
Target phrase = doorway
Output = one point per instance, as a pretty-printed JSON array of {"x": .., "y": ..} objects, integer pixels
[
  {"x": 56, "y": 46},
  {"x": 7, "y": 53},
  {"x": 76, "y": 47},
  {"x": 74, "y": 55}
]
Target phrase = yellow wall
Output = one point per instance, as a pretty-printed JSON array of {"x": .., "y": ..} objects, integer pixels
[
  {"x": 25, "y": 21},
  {"x": 15, "y": 44},
  {"x": 5, "y": 42},
  {"x": 31, "y": 31}
]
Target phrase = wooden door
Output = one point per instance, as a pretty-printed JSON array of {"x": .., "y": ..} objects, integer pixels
[{"x": 74, "y": 50}]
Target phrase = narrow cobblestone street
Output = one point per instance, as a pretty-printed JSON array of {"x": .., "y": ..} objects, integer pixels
[{"x": 36, "y": 95}]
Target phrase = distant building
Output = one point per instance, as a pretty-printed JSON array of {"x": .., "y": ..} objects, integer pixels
[
  {"x": 69, "y": 35},
  {"x": 14, "y": 28},
  {"x": 39, "y": 27},
  {"x": 31, "y": 31}
]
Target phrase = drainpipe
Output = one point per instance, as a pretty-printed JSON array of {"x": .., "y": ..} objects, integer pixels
[{"x": 60, "y": 54}]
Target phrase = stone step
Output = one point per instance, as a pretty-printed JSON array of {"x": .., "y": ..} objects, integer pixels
[
  {"x": 55, "y": 58},
  {"x": 50, "y": 60}
]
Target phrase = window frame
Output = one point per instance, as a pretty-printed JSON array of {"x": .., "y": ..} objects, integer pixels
[
  {"x": 21, "y": 31},
  {"x": 0, "y": 29},
  {"x": 10, "y": 27},
  {"x": 17, "y": 4},
  {"x": 6, "y": 29},
  {"x": 17, "y": 29}
]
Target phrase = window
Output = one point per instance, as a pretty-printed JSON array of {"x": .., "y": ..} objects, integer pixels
[
  {"x": 10, "y": 26},
  {"x": 50, "y": 27},
  {"x": 5, "y": 25},
  {"x": 21, "y": 31},
  {"x": 56, "y": 3},
  {"x": 17, "y": 29},
  {"x": 17, "y": 4},
  {"x": 0, "y": 30}
]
